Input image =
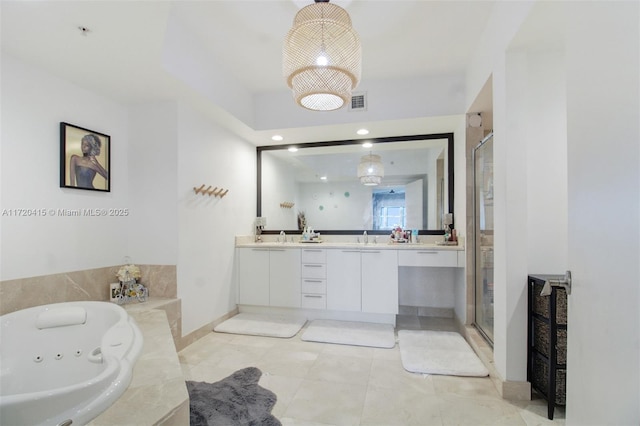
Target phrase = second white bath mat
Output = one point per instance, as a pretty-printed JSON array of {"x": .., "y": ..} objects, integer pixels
[
  {"x": 350, "y": 333},
  {"x": 438, "y": 352},
  {"x": 261, "y": 325}
]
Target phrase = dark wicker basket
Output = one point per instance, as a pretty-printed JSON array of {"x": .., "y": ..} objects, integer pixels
[
  {"x": 541, "y": 303},
  {"x": 541, "y": 335},
  {"x": 540, "y": 380}
]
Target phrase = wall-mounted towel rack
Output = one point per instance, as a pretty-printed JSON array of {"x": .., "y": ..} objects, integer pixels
[
  {"x": 287, "y": 205},
  {"x": 216, "y": 192}
]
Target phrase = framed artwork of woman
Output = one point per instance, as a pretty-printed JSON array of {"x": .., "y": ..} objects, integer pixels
[{"x": 85, "y": 159}]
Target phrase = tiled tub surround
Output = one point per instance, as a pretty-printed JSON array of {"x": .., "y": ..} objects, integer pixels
[
  {"x": 157, "y": 394},
  {"x": 90, "y": 284}
]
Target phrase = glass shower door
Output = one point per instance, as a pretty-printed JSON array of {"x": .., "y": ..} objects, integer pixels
[{"x": 483, "y": 236}]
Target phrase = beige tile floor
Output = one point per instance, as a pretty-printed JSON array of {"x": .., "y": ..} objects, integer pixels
[{"x": 326, "y": 384}]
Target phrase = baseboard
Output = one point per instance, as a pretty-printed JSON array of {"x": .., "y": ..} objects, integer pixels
[
  {"x": 516, "y": 391},
  {"x": 204, "y": 330}
]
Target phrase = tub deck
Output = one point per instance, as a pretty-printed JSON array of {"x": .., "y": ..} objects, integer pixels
[{"x": 157, "y": 393}]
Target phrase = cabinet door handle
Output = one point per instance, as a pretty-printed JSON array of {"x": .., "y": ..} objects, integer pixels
[
  {"x": 350, "y": 251},
  {"x": 313, "y": 251},
  {"x": 370, "y": 251},
  {"x": 313, "y": 281},
  {"x": 260, "y": 249},
  {"x": 427, "y": 252},
  {"x": 313, "y": 266},
  {"x": 275, "y": 249},
  {"x": 313, "y": 296}
]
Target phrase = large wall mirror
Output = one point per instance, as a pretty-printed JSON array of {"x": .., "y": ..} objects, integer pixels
[{"x": 319, "y": 182}]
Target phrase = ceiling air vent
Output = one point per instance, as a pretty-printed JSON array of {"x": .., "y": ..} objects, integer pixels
[{"x": 358, "y": 102}]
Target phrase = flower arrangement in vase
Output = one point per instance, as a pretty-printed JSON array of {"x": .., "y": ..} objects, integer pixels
[{"x": 130, "y": 288}]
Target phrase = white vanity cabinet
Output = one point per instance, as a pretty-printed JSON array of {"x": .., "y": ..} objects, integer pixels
[
  {"x": 284, "y": 277},
  {"x": 269, "y": 277},
  {"x": 379, "y": 281},
  {"x": 356, "y": 280},
  {"x": 313, "y": 284},
  {"x": 253, "y": 276},
  {"x": 344, "y": 280},
  {"x": 428, "y": 258}
]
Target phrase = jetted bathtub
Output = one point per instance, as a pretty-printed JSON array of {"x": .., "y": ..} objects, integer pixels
[{"x": 65, "y": 363}]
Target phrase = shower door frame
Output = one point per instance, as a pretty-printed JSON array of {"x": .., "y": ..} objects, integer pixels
[{"x": 476, "y": 246}]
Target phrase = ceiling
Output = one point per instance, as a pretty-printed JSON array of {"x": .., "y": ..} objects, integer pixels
[{"x": 122, "y": 52}]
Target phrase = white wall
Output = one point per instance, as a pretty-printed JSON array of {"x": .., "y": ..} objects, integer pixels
[
  {"x": 603, "y": 107},
  {"x": 33, "y": 105},
  {"x": 153, "y": 172},
  {"x": 531, "y": 199},
  {"x": 460, "y": 214},
  {"x": 185, "y": 58},
  {"x": 159, "y": 152},
  {"x": 574, "y": 114},
  {"x": 510, "y": 219},
  {"x": 545, "y": 124},
  {"x": 207, "y": 225},
  {"x": 459, "y": 178}
]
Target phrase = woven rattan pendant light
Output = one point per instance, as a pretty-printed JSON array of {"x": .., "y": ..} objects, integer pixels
[
  {"x": 322, "y": 57},
  {"x": 370, "y": 170}
]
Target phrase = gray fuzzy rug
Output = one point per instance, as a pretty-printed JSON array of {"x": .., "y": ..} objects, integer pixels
[{"x": 236, "y": 400}]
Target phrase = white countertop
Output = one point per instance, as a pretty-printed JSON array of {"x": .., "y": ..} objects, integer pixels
[{"x": 349, "y": 245}]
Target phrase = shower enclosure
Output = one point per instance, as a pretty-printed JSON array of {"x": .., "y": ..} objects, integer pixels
[{"x": 483, "y": 236}]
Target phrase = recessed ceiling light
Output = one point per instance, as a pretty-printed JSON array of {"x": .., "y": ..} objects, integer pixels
[
  {"x": 293, "y": 149},
  {"x": 276, "y": 138},
  {"x": 367, "y": 145},
  {"x": 323, "y": 178},
  {"x": 362, "y": 132}
]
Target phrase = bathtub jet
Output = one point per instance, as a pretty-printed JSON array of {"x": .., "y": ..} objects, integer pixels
[{"x": 65, "y": 363}]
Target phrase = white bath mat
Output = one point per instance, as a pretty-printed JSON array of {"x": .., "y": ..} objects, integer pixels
[
  {"x": 261, "y": 325},
  {"x": 350, "y": 333},
  {"x": 438, "y": 352}
]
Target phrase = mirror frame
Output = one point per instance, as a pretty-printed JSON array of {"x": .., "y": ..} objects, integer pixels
[{"x": 448, "y": 136}]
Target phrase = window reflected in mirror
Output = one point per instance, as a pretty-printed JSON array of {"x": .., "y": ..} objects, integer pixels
[{"x": 389, "y": 209}]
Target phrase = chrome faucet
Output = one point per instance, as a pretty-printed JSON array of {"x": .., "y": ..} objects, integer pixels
[
  {"x": 284, "y": 237},
  {"x": 365, "y": 237},
  {"x": 259, "y": 226}
]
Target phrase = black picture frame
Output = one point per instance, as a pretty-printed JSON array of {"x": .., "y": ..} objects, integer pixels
[{"x": 85, "y": 158}]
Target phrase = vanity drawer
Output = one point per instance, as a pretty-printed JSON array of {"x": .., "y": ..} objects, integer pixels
[
  {"x": 314, "y": 256},
  {"x": 314, "y": 301},
  {"x": 313, "y": 286},
  {"x": 428, "y": 257},
  {"x": 314, "y": 270}
]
